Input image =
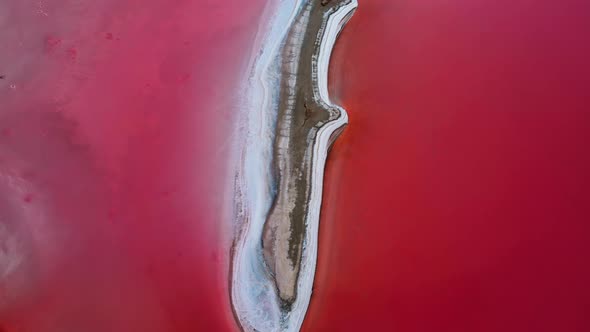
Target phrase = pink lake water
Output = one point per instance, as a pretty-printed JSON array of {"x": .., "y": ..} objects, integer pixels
[{"x": 456, "y": 200}]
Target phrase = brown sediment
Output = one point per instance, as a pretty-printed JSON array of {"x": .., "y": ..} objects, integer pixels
[{"x": 301, "y": 114}]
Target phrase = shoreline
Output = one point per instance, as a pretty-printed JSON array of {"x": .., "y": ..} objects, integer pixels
[{"x": 275, "y": 247}]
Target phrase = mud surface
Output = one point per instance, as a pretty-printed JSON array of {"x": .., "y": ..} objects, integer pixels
[{"x": 301, "y": 114}]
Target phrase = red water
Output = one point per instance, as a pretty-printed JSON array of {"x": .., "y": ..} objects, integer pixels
[
  {"x": 458, "y": 198},
  {"x": 114, "y": 119}
]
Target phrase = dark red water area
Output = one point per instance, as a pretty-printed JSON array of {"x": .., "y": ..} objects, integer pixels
[
  {"x": 114, "y": 137},
  {"x": 458, "y": 198}
]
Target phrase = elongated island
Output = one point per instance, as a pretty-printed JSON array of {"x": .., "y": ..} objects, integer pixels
[{"x": 287, "y": 126}]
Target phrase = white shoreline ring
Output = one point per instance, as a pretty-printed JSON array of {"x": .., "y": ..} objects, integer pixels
[{"x": 248, "y": 298}]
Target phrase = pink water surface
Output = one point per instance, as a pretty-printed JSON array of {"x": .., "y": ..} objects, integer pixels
[
  {"x": 114, "y": 122},
  {"x": 458, "y": 199}
]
